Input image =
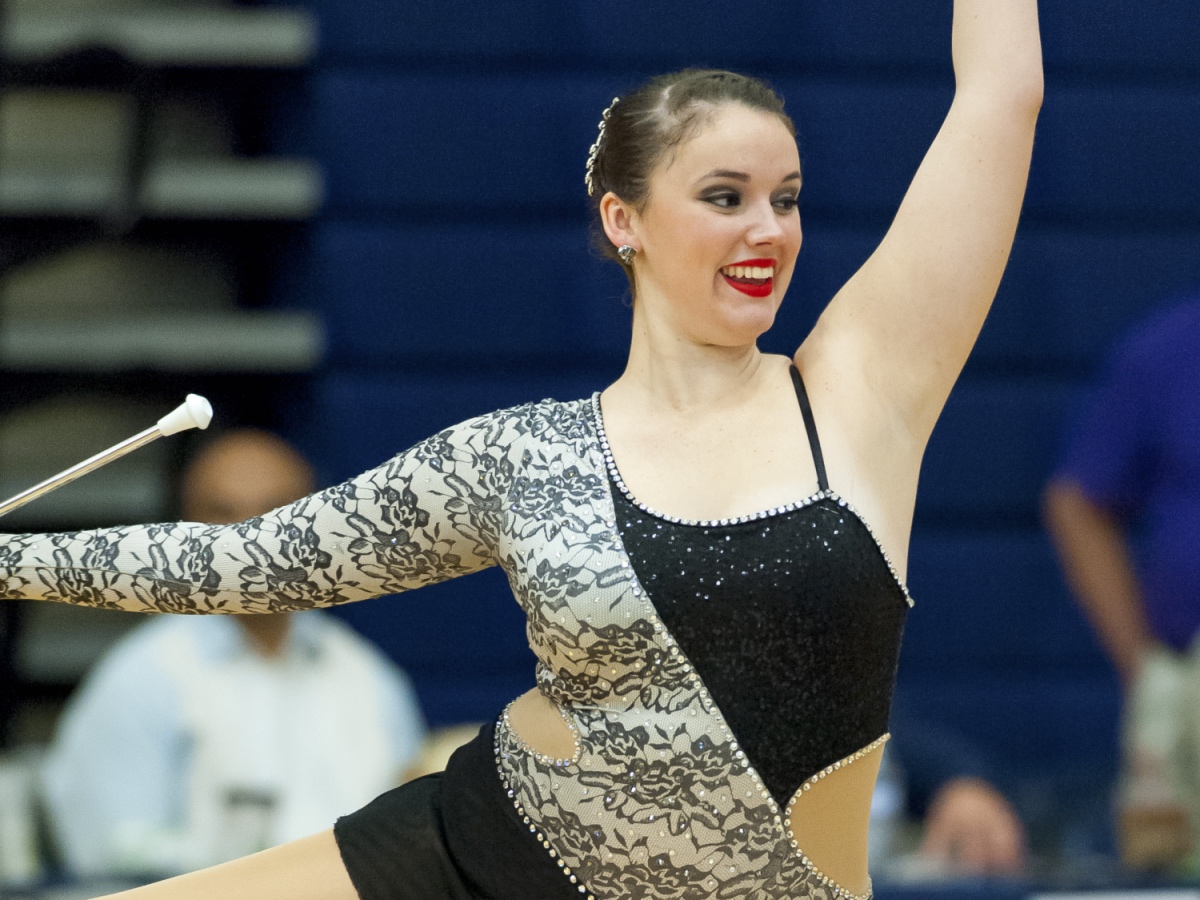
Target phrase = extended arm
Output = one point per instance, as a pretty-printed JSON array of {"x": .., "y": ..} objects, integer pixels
[
  {"x": 906, "y": 321},
  {"x": 429, "y": 514},
  {"x": 1096, "y": 561}
]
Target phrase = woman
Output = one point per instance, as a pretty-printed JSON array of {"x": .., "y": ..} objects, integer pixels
[{"x": 714, "y": 679}]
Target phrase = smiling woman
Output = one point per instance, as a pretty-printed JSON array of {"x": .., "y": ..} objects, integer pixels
[
  {"x": 640, "y": 133},
  {"x": 718, "y": 223},
  {"x": 714, "y": 586}
]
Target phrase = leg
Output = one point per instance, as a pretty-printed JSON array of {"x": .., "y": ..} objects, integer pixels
[{"x": 308, "y": 869}]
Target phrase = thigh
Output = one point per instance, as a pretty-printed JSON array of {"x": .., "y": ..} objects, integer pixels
[{"x": 308, "y": 869}]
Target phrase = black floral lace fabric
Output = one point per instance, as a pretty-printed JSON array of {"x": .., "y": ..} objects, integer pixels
[{"x": 659, "y": 802}]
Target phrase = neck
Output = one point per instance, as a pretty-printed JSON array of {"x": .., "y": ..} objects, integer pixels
[
  {"x": 670, "y": 369},
  {"x": 267, "y": 634}
]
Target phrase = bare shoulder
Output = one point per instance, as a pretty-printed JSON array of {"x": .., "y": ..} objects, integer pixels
[
  {"x": 850, "y": 406},
  {"x": 871, "y": 455}
]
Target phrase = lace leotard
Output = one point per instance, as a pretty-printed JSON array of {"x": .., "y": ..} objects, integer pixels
[{"x": 660, "y": 796}]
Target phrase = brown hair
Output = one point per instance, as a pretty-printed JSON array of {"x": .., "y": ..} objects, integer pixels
[{"x": 644, "y": 127}]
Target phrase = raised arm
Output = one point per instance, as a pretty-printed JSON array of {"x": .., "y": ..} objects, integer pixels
[
  {"x": 907, "y": 320},
  {"x": 427, "y": 515}
]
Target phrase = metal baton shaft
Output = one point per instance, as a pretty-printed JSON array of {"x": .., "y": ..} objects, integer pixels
[
  {"x": 78, "y": 471},
  {"x": 195, "y": 412}
]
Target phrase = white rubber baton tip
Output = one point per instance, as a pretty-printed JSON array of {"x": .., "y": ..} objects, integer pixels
[{"x": 195, "y": 412}]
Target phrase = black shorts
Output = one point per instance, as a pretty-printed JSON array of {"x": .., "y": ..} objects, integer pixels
[{"x": 451, "y": 836}]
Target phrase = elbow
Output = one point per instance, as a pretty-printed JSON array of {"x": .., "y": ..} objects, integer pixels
[
  {"x": 1015, "y": 106},
  {"x": 1031, "y": 91},
  {"x": 1018, "y": 99},
  {"x": 1015, "y": 83}
]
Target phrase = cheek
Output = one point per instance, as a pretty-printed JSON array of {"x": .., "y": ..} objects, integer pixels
[
  {"x": 706, "y": 242},
  {"x": 793, "y": 239}
]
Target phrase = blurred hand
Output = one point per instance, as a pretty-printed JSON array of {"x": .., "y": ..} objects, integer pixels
[{"x": 971, "y": 828}]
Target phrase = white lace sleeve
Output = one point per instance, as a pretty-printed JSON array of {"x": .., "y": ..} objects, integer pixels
[{"x": 429, "y": 514}]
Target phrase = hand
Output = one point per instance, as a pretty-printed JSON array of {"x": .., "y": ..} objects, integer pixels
[{"x": 971, "y": 828}]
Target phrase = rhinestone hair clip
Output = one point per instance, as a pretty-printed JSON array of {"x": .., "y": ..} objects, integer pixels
[{"x": 590, "y": 178}]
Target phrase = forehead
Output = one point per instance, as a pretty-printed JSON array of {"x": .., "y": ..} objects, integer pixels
[{"x": 738, "y": 138}]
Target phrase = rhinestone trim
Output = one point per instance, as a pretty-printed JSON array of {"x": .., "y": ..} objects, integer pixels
[
  {"x": 541, "y": 838},
  {"x": 668, "y": 641},
  {"x": 838, "y": 890},
  {"x": 611, "y": 465},
  {"x": 543, "y": 758},
  {"x": 694, "y": 680}
]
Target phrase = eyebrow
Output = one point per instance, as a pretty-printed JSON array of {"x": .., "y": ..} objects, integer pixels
[{"x": 742, "y": 176}]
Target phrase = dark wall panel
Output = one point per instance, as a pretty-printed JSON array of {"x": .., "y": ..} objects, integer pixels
[
  {"x": 506, "y": 144},
  {"x": 1068, "y": 296},
  {"x": 676, "y": 33},
  {"x": 992, "y": 600},
  {"x": 992, "y": 450},
  {"x": 1154, "y": 37},
  {"x": 1118, "y": 156},
  {"x": 1110, "y": 38},
  {"x": 457, "y": 295},
  {"x": 383, "y": 31},
  {"x": 1040, "y": 725}
]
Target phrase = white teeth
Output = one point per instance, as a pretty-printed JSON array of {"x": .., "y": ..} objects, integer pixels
[{"x": 758, "y": 272}]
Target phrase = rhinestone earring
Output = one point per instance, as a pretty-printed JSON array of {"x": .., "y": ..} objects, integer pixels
[{"x": 627, "y": 254}]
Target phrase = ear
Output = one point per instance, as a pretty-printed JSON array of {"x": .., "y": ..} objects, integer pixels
[{"x": 620, "y": 221}]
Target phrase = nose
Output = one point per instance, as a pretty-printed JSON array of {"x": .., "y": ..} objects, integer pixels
[{"x": 767, "y": 226}]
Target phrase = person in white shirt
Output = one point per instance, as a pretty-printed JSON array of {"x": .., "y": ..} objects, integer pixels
[{"x": 197, "y": 740}]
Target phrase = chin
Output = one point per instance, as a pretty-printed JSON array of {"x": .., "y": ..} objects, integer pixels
[
  {"x": 750, "y": 320},
  {"x": 741, "y": 331}
]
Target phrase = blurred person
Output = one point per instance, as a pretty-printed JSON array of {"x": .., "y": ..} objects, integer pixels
[
  {"x": 1123, "y": 511},
  {"x": 194, "y": 741},
  {"x": 970, "y": 828},
  {"x": 949, "y": 783},
  {"x": 700, "y": 730}
]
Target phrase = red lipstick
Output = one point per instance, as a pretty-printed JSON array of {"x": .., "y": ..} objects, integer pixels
[{"x": 753, "y": 287}]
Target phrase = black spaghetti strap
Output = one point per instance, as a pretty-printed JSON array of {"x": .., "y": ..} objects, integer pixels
[{"x": 810, "y": 424}]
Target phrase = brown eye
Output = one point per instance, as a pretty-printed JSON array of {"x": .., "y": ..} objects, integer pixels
[{"x": 724, "y": 199}]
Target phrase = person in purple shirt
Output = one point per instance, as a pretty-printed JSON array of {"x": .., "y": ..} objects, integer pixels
[{"x": 1123, "y": 510}]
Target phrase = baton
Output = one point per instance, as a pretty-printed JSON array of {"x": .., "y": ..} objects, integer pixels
[{"x": 195, "y": 412}]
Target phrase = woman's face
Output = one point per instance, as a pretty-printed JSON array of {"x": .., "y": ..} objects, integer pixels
[{"x": 720, "y": 230}]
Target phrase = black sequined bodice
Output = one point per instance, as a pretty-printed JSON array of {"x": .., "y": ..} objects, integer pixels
[
  {"x": 793, "y": 621},
  {"x": 792, "y": 617}
]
